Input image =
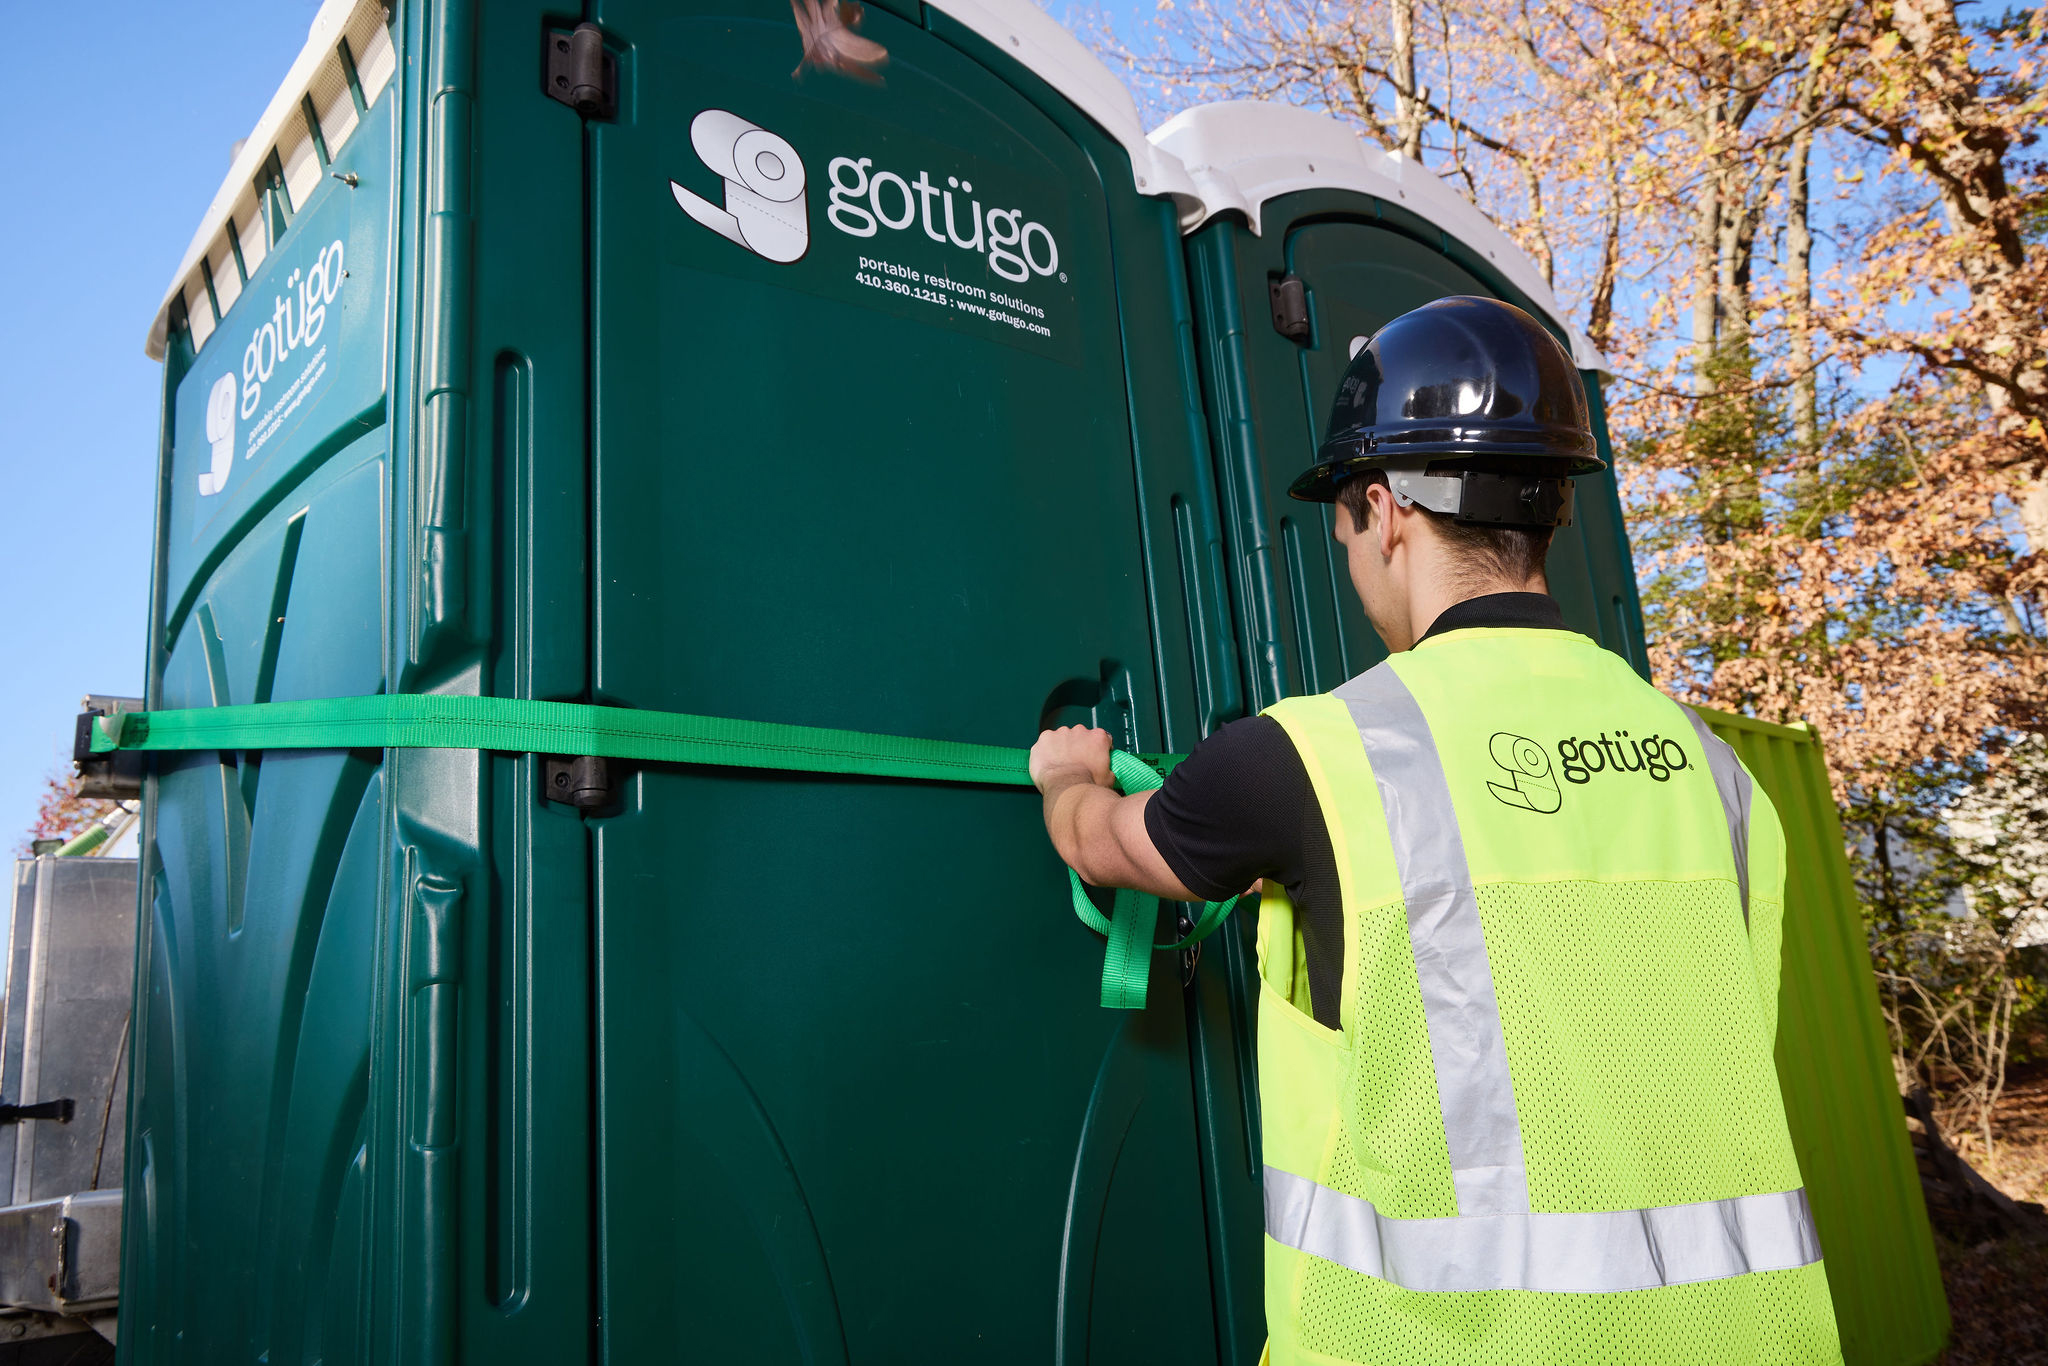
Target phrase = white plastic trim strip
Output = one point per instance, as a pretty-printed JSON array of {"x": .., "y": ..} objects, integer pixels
[
  {"x": 328, "y": 27},
  {"x": 301, "y": 171},
  {"x": 254, "y": 236},
  {"x": 376, "y": 63},
  {"x": 199, "y": 314},
  {"x": 227, "y": 281},
  {"x": 1585, "y": 1254}
]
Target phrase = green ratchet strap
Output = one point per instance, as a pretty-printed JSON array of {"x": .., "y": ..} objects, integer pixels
[
  {"x": 1127, "y": 963},
  {"x": 432, "y": 721}
]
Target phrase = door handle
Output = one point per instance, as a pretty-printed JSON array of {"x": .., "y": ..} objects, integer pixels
[{"x": 1104, "y": 702}]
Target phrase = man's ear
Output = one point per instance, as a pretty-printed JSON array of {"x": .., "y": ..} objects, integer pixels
[{"x": 1385, "y": 518}]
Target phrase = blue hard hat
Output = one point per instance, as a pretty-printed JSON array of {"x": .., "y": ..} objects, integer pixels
[{"x": 1464, "y": 383}]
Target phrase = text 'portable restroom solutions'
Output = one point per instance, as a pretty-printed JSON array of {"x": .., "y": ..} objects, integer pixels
[{"x": 851, "y": 367}]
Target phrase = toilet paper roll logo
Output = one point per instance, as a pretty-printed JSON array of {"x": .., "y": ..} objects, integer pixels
[
  {"x": 764, "y": 186},
  {"x": 1530, "y": 784},
  {"x": 220, "y": 434}
]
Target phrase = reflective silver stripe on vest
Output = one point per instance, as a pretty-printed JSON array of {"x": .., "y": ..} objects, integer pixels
[
  {"x": 1732, "y": 781},
  {"x": 1637, "y": 1249},
  {"x": 1466, "y": 1042}
]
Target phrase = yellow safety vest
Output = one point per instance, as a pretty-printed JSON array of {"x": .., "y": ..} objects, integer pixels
[{"x": 1548, "y": 1129}]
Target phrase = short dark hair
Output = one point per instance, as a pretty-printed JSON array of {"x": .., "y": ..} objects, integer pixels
[{"x": 1515, "y": 553}]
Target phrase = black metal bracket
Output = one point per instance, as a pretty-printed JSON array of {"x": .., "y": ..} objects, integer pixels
[
  {"x": 579, "y": 780},
  {"x": 118, "y": 775},
  {"x": 59, "y": 1110},
  {"x": 580, "y": 73},
  {"x": 1290, "y": 308}
]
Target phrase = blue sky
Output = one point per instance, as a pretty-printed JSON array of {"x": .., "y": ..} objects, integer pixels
[
  {"x": 103, "y": 198},
  {"x": 103, "y": 193}
]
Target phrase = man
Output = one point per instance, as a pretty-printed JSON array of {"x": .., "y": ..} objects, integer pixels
[{"x": 1519, "y": 935}]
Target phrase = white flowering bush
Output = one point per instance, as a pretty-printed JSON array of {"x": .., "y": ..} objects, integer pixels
[{"x": 2000, "y": 828}]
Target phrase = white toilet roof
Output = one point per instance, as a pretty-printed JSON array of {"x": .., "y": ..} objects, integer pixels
[
  {"x": 1237, "y": 155},
  {"x": 1243, "y": 154}
]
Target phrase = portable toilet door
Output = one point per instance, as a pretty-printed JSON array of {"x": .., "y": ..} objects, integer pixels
[
  {"x": 870, "y": 453},
  {"x": 717, "y": 357}
]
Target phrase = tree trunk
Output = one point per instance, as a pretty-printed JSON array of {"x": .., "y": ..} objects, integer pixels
[
  {"x": 1799, "y": 282},
  {"x": 1538, "y": 229},
  {"x": 1706, "y": 251},
  {"x": 1407, "y": 107},
  {"x": 1734, "y": 251},
  {"x": 2033, "y": 502},
  {"x": 1799, "y": 242},
  {"x": 1600, "y": 319}
]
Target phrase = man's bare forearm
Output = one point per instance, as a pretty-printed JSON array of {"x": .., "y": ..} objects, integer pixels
[
  {"x": 1101, "y": 836},
  {"x": 1074, "y": 803}
]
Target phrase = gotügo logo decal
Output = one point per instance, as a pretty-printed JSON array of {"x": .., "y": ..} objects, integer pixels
[
  {"x": 282, "y": 360},
  {"x": 916, "y": 225}
]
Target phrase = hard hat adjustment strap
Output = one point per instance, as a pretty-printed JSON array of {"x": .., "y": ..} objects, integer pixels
[
  {"x": 1487, "y": 498},
  {"x": 522, "y": 726}
]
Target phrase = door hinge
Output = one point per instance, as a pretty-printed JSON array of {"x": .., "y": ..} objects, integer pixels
[
  {"x": 581, "y": 780},
  {"x": 581, "y": 73},
  {"x": 1290, "y": 308}
]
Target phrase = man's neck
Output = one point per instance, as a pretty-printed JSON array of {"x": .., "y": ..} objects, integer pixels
[{"x": 1429, "y": 600}]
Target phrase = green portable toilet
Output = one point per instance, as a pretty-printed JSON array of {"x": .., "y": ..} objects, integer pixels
[
  {"x": 1301, "y": 242},
  {"x": 701, "y": 359}
]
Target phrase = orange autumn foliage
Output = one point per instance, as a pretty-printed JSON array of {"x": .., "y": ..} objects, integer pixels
[
  {"x": 61, "y": 814},
  {"x": 1808, "y": 235}
]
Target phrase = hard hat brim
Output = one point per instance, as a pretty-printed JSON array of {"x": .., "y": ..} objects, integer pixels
[{"x": 1339, "y": 460}]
